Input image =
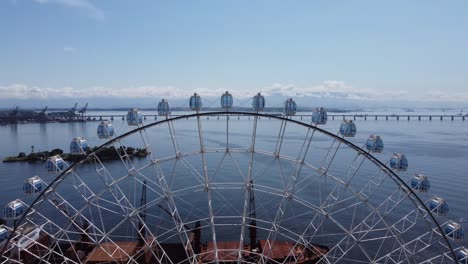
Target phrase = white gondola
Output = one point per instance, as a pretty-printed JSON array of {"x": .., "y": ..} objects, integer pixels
[
  {"x": 32, "y": 185},
  {"x": 348, "y": 128},
  {"x": 420, "y": 183},
  {"x": 195, "y": 102},
  {"x": 78, "y": 146},
  {"x": 319, "y": 116},
  {"x": 163, "y": 108},
  {"x": 374, "y": 144},
  {"x": 258, "y": 102},
  {"x": 462, "y": 255},
  {"x": 3, "y": 234},
  {"x": 105, "y": 130},
  {"x": 134, "y": 117},
  {"x": 454, "y": 230},
  {"x": 226, "y": 100},
  {"x": 14, "y": 209},
  {"x": 438, "y": 206},
  {"x": 290, "y": 107},
  {"x": 399, "y": 162},
  {"x": 54, "y": 164}
]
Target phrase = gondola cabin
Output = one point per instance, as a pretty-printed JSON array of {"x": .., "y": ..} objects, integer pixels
[
  {"x": 348, "y": 128},
  {"x": 163, "y": 108},
  {"x": 105, "y": 130},
  {"x": 226, "y": 100},
  {"x": 134, "y": 117},
  {"x": 290, "y": 107},
  {"x": 319, "y": 116},
  {"x": 454, "y": 231},
  {"x": 14, "y": 209},
  {"x": 78, "y": 146},
  {"x": 374, "y": 144},
  {"x": 32, "y": 185},
  {"x": 420, "y": 183},
  {"x": 438, "y": 206},
  {"x": 54, "y": 164},
  {"x": 3, "y": 235},
  {"x": 399, "y": 162},
  {"x": 195, "y": 102},
  {"x": 258, "y": 102},
  {"x": 462, "y": 255}
]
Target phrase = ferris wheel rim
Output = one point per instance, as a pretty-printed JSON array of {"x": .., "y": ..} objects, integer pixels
[{"x": 415, "y": 199}]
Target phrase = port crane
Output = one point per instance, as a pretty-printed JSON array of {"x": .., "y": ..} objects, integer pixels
[
  {"x": 82, "y": 112},
  {"x": 71, "y": 112}
]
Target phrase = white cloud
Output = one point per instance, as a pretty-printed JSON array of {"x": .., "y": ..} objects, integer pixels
[
  {"x": 85, "y": 5},
  {"x": 325, "y": 90},
  {"x": 69, "y": 49}
]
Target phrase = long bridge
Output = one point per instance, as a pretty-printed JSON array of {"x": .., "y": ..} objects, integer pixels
[{"x": 408, "y": 117}]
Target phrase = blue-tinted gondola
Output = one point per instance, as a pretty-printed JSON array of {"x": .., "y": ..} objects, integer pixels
[
  {"x": 438, "y": 206},
  {"x": 134, "y": 117},
  {"x": 454, "y": 231},
  {"x": 163, "y": 108},
  {"x": 420, "y": 183},
  {"x": 258, "y": 102},
  {"x": 14, "y": 209},
  {"x": 290, "y": 107},
  {"x": 319, "y": 116},
  {"x": 78, "y": 146},
  {"x": 105, "y": 130},
  {"x": 348, "y": 128},
  {"x": 3, "y": 234},
  {"x": 195, "y": 102},
  {"x": 32, "y": 185},
  {"x": 374, "y": 144},
  {"x": 399, "y": 162},
  {"x": 54, "y": 164},
  {"x": 462, "y": 255},
  {"x": 226, "y": 100}
]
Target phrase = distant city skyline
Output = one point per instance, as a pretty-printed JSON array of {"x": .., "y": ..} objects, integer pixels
[{"x": 355, "y": 53}]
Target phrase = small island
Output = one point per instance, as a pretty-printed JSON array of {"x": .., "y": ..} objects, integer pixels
[{"x": 107, "y": 153}]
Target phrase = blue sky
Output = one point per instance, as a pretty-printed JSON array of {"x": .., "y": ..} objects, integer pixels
[{"x": 346, "y": 50}]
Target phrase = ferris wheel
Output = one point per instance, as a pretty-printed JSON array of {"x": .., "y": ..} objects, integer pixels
[{"x": 228, "y": 186}]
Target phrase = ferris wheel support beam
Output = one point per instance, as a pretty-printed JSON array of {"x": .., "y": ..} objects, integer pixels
[
  {"x": 248, "y": 189},
  {"x": 290, "y": 189},
  {"x": 128, "y": 208},
  {"x": 208, "y": 187}
]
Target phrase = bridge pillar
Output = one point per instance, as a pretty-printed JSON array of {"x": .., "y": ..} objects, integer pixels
[
  {"x": 112, "y": 118},
  {"x": 301, "y": 117},
  {"x": 419, "y": 118},
  {"x": 408, "y": 118},
  {"x": 344, "y": 117},
  {"x": 386, "y": 117},
  {"x": 451, "y": 118},
  {"x": 463, "y": 118},
  {"x": 155, "y": 117},
  {"x": 354, "y": 117},
  {"x": 144, "y": 117},
  {"x": 430, "y": 118},
  {"x": 365, "y": 117},
  {"x": 441, "y": 118},
  {"x": 333, "y": 117},
  {"x": 375, "y": 117},
  {"x": 100, "y": 118},
  {"x": 397, "y": 117}
]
